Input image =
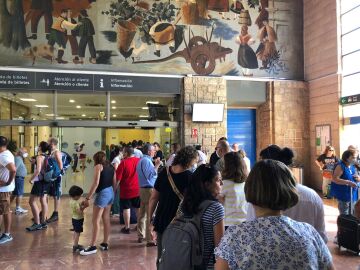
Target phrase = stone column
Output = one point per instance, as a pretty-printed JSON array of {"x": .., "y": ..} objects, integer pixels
[{"x": 203, "y": 90}]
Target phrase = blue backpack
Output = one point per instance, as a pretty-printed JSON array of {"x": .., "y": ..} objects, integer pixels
[
  {"x": 66, "y": 160},
  {"x": 51, "y": 169}
]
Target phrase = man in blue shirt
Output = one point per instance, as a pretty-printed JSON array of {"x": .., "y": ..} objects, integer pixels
[{"x": 147, "y": 173}]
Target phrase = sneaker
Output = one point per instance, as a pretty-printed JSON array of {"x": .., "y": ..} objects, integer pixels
[
  {"x": 125, "y": 231},
  {"x": 34, "y": 227},
  {"x": 78, "y": 248},
  {"x": 104, "y": 246},
  {"x": 44, "y": 225},
  {"x": 19, "y": 211},
  {"x": 151, "y": 244},
  {"x": 5, "y": 238},
  {"x": 140, "y": 240},
  {"x": 88, "y": 251},
  {"x": 54, "y": 217}
]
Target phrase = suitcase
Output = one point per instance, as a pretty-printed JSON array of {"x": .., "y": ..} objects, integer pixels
[{"x": 349, "y": 231}]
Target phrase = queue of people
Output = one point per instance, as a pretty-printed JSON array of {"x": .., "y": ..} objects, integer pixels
[{"x": 248, "y": 217}]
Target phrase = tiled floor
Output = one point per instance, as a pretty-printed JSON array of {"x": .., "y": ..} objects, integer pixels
[{"x": 51, "y": 248}]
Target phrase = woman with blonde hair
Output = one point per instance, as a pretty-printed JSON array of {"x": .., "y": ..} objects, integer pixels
[{"x": 326, "y": 162}]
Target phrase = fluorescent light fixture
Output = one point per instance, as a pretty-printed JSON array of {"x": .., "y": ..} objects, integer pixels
[
  {"x": 145, "y": 108},
  {"x": 152, "y": 102},
  {"x": 71, "y": 101},
  {"x": 144, "y": 120},
  {"x": 78, "y": 107},
  {"x": 83, "y": 115},
  {"x": 143, "y": 116},
  {"x": 114, "y": 115},
  {"x": 113, "y": 101},
  {"x": 50, "y": 114},
  {"x": 41, "y": 106},
  {"x": 28, "y": 99},
  {"x": 113, "y": 107},
  {"x": 60, "y": 118}
]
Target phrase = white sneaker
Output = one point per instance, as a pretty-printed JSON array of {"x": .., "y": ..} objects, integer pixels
[
  {"x": 5, "y": 238},
  {"x": 19, "y": 211}
]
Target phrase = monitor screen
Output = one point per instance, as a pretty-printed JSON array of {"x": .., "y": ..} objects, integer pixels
[{"x": 203, "y": 112}]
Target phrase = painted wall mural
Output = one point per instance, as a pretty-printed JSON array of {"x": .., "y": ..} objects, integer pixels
[{"x": 261, "y": 38}]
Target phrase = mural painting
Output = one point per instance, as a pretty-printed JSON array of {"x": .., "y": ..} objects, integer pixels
[{"x": 220, "y": 37}]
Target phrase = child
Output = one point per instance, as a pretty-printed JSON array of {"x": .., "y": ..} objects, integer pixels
[{"x": 75, "y": 193}]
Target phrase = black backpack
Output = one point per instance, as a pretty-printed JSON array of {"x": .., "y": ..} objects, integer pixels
[{"x": 183, "y": 242}]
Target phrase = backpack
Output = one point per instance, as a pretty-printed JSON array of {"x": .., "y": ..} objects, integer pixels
[
  {"x": 183, "y": 242},
  {"x": 66, "y": 160},
  {"x": 51, "y": 169}
]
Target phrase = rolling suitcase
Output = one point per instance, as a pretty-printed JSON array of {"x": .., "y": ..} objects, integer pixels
[{"x": 349, "y": 231}]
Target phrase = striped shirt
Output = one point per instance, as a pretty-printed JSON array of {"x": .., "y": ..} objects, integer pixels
[
  {"x": 235, "y": 202},
  {"x": 212, "y": 216}
]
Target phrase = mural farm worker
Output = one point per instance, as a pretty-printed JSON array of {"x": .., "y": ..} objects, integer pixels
[
  {"x": 86, "y": 33},
  {"x": 246, "y": 55},
  {"x": 267, "y": 48},
  {"x": 71, "y": 38},
  {"x": 58, "y": 34},
  {"x": 38, "y": 9}
]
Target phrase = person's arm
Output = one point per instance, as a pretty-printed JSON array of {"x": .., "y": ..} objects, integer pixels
[
  {"x": 59, "y": 160},
  {"x": 12, "y": 172},
  {"x": 319, "y": 219},
  {"x": 39, "y": 161},
  {"x": 336, "y": 178},
  {"x": 154, "y": 199},
  {"x": 97, "y": 170},
  {"x": 221, "y": 264},
  {"x": 115, "y": 183},
  {"x": 68, "y": 25},
  {"x": 218, "y": 232},
  {"x": 319, "y": 164},
  {"x": 331, "y": 267}
]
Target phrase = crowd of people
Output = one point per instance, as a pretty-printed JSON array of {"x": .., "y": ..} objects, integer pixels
[{"x": 250, "y": 217}]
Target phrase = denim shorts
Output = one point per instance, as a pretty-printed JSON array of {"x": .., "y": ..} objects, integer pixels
[
  {"x": 19, "y": 186},
  {"x": 104, "y": 198}
]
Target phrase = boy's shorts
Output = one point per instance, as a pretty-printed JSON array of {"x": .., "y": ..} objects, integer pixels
[{"x": 78, "y": 225}]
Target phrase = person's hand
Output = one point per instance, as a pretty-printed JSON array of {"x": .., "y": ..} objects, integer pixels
[
  {"x": 357, "y": 177},
  {"x": 351, "y": 184},
  {"x": 157, "y": 161},
  {"x": 153, "y": 233},
  {"x": 85, "y": 203}
]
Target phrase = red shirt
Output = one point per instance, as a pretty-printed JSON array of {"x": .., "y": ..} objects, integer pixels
[{"x": 128, "y": 178}]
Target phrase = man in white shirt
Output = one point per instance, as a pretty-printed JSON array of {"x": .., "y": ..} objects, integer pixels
[
  {"x": 137, "y": 153},
  {"x": 7, "y": 186},
  {"x": 202, "y": 157}
]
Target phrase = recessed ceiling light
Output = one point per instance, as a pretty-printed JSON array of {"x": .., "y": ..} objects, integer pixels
[
  {"x": 78, "y": 107},
  {"x": 145, "y": 108},
  {"x": 42, "y": 106},
  {"x": 143, "y": 116},
  {"x": 113, "y": 107},
  {"x": 83, "y": 115},
  {"x": 28, "y": 99},
  {"x": 114, "y": 115},
  {"x": 113, "y": 101},
  {"x": 72, "y": 101},
  {"x": 152, "y": 102}
]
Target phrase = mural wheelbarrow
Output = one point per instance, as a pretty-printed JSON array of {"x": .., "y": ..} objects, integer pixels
[{"x": 200, "y": 52}]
